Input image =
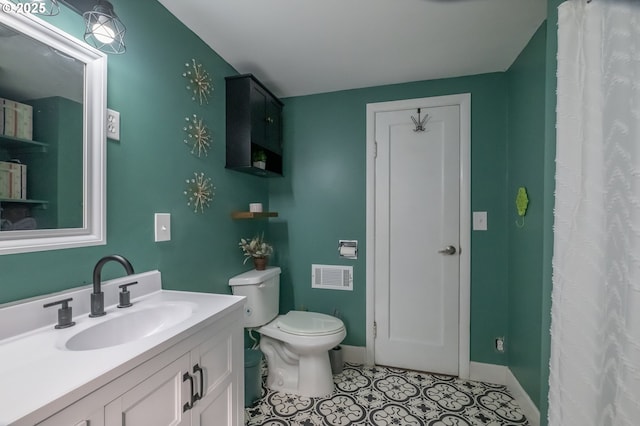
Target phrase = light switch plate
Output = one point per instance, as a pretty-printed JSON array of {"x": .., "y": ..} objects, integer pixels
[
  {"x": 113, "y": 125},
  {"x": 162, "y": 227},
  {"x": 479, "y": 221}
]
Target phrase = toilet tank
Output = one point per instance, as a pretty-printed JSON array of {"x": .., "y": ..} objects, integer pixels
[{"x": 262, "y": 290}]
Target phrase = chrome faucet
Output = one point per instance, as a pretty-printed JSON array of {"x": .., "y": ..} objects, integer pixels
[{"x": 97, "y": 297}]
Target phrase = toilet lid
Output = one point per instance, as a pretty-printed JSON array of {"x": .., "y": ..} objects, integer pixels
[{"x": 309, "y": 323}]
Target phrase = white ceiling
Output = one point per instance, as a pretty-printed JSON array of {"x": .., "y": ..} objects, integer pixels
[{"x": 299, "y": 47}]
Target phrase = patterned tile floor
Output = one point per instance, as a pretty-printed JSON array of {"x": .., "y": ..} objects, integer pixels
[{"x": 385, "y": 396}]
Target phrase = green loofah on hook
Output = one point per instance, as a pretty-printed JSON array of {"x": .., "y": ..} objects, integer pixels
[{"x": 522, "y": 201}]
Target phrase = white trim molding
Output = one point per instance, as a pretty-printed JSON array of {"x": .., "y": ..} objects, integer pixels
[
  {"x": 522, "y": 398},
  {"x": 488, "y": 373},
  {"x": 354, "y": 354},
  {"x": 464, "y": 102},
  {"x": 502, "y": 375}
]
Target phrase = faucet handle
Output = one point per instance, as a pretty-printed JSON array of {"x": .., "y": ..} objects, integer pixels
[
  {"x": 65, "y": 313},
  {"x": 125, "y": 295}
]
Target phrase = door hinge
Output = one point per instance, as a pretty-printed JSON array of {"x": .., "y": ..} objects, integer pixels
[{"x": 375, "y": 329}]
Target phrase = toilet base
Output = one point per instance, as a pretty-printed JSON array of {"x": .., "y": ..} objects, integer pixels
[{"x": 298, "y": 374}]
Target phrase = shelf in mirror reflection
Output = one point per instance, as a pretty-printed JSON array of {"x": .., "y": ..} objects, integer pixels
[
  {"x": 14, "y": 144},
  {"x": 28, "y": 201}
]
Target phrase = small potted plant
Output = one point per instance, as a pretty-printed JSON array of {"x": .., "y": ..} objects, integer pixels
[
  {"x": 257, "y": 249},
  {"x": 260, "y": 159}
]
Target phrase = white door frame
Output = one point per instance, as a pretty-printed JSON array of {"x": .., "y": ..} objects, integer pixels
[{"x": 464, "y": 102}]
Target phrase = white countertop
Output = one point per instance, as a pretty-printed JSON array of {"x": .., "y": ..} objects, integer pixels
[{"x": 37, "y": 372}]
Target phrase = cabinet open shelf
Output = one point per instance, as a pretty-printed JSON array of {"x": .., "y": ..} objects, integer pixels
[
  {"x": 253, "y": 215},
  {"x": 17, "y": 144},
  {"x": 257, "y": 171},
  {"x": 42, "y": 203}
]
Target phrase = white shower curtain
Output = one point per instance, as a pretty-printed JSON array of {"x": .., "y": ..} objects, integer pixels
[{"x": 595, "y": 331}]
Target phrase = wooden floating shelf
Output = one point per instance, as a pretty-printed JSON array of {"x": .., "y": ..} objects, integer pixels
[{"x": 253, "y": 215}]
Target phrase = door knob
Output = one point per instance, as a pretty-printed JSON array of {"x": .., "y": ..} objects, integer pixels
[{"x": 449, "y": 250}]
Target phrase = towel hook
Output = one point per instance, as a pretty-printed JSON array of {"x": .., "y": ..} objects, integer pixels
[{"x": 419, "y": 122}]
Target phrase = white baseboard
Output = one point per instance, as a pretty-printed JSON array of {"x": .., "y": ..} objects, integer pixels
[
  {"x": 490, "y": 373},
  {"x": 353, "y": 354},
  {"x": 502, "y": 375},
  {"x": 528, "y": 407}
]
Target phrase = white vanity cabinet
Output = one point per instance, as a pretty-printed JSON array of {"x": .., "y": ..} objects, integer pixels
[
  {"x": 198, "y": 381},
  {"x": 221, "y": 381},
  {"x": 158, "y": 400}
]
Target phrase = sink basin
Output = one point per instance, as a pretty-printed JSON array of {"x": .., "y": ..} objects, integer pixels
[{"x": 130, "y": 326}]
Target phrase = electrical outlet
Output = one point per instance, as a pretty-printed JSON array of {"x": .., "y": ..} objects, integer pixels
[
  {"x": 500, "y": 344},
  {"x": 113, "y": 125}
]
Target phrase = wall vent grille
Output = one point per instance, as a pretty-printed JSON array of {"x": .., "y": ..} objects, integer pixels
[{"x": 332, "y": 277}]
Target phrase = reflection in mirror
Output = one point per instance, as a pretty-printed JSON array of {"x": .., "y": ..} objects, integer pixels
[
  {"x": 52, "y": 110},
  {"x": 41, "y": 142}
]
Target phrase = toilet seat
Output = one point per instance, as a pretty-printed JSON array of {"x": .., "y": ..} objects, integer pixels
[{"x": 302, "y": 323}]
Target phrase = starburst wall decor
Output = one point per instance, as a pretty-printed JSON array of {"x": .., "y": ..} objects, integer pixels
[
  {"x": 199, "y": 81},
  {"x": 197, "y": 135},
  {"x": 199, "y": 192}
]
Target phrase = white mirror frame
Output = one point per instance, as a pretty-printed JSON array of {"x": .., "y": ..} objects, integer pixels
[{"x": 94, "y": 230}]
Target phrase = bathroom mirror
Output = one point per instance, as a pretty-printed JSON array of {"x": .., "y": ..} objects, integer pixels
[{"x": 52, "y": 138}]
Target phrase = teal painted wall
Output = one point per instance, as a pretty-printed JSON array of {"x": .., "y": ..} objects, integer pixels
[
  {"x": 525, "y": 166},
  {"x": 322, "y": 198},
  {"x": 147, "y": 169}
]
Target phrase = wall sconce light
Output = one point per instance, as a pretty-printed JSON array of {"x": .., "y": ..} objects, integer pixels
[{"x": 103, "y": 29}]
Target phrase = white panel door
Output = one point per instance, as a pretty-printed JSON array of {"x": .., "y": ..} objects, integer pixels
[{"x": 417, "y": 209}]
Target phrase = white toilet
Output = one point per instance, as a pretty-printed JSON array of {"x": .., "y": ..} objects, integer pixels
[{"x": 297, "y": 344}]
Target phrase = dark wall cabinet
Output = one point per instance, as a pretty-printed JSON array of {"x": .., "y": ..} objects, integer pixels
[{"x": 254, "y": 127}]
